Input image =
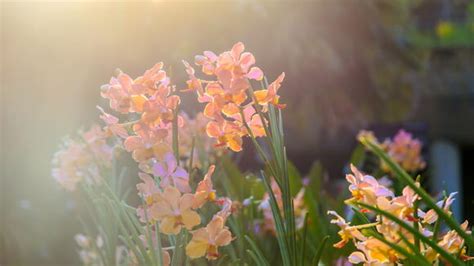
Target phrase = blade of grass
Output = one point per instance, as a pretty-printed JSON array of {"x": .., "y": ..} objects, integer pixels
[
  {"x": 281, "y": 233},
  {"x": 261, "y": 260},
  {"x": 319, "y": 252}
]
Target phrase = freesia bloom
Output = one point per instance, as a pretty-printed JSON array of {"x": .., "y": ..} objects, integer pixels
[
  {"x": 173, "y": 210},
  {"x": 207, "y": 240}
]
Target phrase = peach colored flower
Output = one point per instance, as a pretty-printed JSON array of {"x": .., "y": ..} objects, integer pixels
[
  {"x": 112, "y": 124},
  {"x": 374, "y": 252},
  {"x": 452, "y": 242},
  {"x": 365, "y": 188},
  {"x": 205, "y": 190},
  {"x": 224, "y": 96},
  {"x": 82, "y": 159},
  {"x": 264, "y": 97},
  {"x": 404, "y": 150},
  {"x": 227, "y": 133},
  {"x": 122, "y": 92},
  {"x": 207, "y": 240},
  {"x": 173, "y": 210}
]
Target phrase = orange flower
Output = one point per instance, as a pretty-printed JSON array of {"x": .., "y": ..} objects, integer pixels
[
  {"x": 207, "y": 240},
  {"x": 264, "y": 97},
  {"x": 227, "y": 134},
  {"x": 205, "y": 191},
  {"x": 224, "y": 96}
]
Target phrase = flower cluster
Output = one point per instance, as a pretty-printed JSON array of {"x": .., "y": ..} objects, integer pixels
[
  {"x": 404, "y": 150},
  {"x": 82, "y": 159},
  {"x": 150, "y": 97},
  {"x": 371, "y": 250},
  {"x": 300, "y": 210},
  {"x": 175, "y": 211},
  {"x": 232, "y": 115}
]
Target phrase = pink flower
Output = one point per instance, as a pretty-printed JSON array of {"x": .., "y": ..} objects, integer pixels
[
  {"x": 112, "y": 124},
  {"x": 172, "y": 174},
  {"x": 406, "y": 151},
  {"x": 365, "y": 188}
]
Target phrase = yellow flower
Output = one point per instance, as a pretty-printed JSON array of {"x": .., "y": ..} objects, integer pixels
[
  {"x": 174, "y": 211},
  {"x": 444, "y": 29},
  {"x": 347, "y": 231},
  {"x": 207, "y": 240}
]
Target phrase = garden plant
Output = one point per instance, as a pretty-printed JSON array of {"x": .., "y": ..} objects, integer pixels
[{"x": 163, "y": 187}]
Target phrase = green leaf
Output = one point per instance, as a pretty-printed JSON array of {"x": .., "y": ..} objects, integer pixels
[
  {"x": 319, "y": 252},
  {"x": 295, "y": 179}
]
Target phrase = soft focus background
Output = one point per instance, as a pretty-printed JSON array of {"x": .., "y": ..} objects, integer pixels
[{"x": 349, "y": 65}]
